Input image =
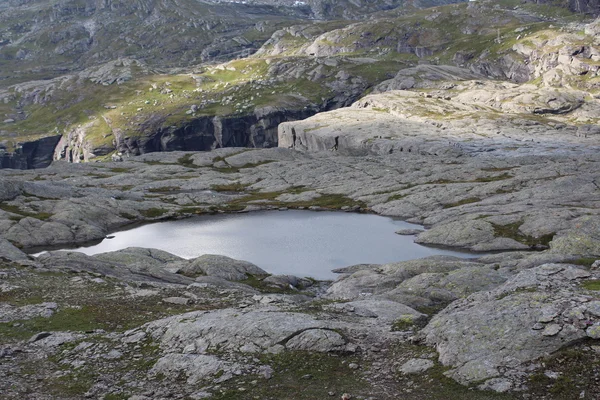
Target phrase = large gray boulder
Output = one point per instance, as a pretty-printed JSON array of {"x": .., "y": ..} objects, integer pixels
[
  {"x": 131, "y": 264},
  {"x": 244, "y": 331},
  {"x": 11, "y": 253},
  {"x": 533, "y": 314},
  {"x": 221, "y": 267},
  {"x": 385, "y": 279}
]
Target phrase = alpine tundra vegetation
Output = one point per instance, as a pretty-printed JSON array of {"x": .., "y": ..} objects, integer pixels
[{"x": 479, "y": 120}]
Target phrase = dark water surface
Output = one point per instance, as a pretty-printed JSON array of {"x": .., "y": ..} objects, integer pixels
[{"x": 302, "y": 243}]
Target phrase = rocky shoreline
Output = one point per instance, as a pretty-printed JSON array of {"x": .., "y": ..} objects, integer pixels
[{"x": 221, "y": 328}]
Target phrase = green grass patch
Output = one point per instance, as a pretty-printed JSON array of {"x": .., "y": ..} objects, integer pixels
[
  {"x": 301, "y": 375},
  {"x": 230, "y": 187},
  {"x": 512, "y": 231},
  {"x": 187, "y": 161},
  {"x": 153, "y": 212},
  {"x": 584, "y": 261},
  {"x": 462, "y": 202},
  {"x": 42, "y": 216},
  {"x": 592, "y": 284}
]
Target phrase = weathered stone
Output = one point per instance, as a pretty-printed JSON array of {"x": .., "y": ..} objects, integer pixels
[
  {"x": 416, "y": 366},
  {"x": 183, "y": 301},
  {"x": 221, "y": 267},
  {"x": 478, "y": 334}
]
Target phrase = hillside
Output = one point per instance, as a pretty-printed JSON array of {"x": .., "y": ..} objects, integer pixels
[{"x": 139, "y": 102}]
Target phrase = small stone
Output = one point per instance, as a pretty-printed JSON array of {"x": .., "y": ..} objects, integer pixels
[
  {"x": 176, "y": 300},
  {"x": 538, "y": 326},
  {"x": 307, "y": 376},
  {"x": 552, "y": 374},
  {"x": 331, "y": 393},
  {"x": 593, "y": 307},
  {"x": 416, "y": 366},
  {"x": 593, "y": 331},
  {"x": 498, "y": 385},
  {"x": 409, "y": 232},
  {"x": 113, "y": 355},
  {"x": 551, "y": 330},
  {"x": 353, "y": 366}
]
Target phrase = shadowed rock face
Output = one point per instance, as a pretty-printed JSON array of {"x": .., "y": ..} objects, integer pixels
[
  {"x": 208, "y": 133},
  {"x": 36, "y": 154}
]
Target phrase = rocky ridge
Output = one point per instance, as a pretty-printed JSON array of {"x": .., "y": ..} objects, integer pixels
[
  {"x": 360, "y": 329},
  {"x": 302, "y": 69}
]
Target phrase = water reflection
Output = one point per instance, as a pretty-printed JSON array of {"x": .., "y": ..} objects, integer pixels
[{"x": 301, "y": 243}]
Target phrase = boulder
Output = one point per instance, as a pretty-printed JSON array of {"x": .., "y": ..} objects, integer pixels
[
  {"x": 11, "y": 253},
  {"x": 245, "y": 331},
  {"x": 221, "y": 267},
  {"x": 533, "y": 314}
]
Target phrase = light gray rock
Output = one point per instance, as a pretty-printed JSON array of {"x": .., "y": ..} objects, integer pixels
[
  {"x": 384, "y": 310},
  {"x": 11, "y": 253},
  {"x": 221, "y": 267},
  {"x": 409, "y": 232},
  {"x": 490, "y": 332},
  {"x": 384, "y": 279},
  {"x": 321, "y": 340},
  {"x": 287, "y": 281},
  {"x": 498, "y": 385},
  {"x": 182, "y": 301},
  {"x": 196, "y": 367},
  {"x": 10, "y": 313},
  {"x": 132, "y": 264},
  {"x": 416, "y": 366},
  {"x": 246, "y": 331}
]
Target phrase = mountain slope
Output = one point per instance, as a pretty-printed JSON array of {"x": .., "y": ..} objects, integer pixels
[{"x": 132, "y": 106}]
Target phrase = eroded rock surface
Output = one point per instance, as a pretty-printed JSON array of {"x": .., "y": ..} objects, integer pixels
[{"x": 535, "y": 313}]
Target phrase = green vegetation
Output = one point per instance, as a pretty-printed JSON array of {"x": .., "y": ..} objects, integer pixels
[
  {"x": 153, "y": 212},
  {"x": 462, "y": 202},
  {"x": 303, "y": 375},
  {"x": 512, "y": 231},
  {"x": 42, "y": 216},
  {"x": 584, "y": 261},
  {"x": 230, "y": 187},
  {"x": 187, "y": 161},
  {"x": 592, "y": 284},
  {"x": 576, "y": 369},
  {"x": 408, "y": 322}
]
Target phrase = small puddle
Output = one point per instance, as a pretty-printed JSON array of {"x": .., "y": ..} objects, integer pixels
[{"x": 302, "y": 243}]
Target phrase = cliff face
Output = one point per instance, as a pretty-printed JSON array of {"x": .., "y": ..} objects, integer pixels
[
  {"x": 257, "y": 130},
  {"x": 134, "y": 105},
  {"x": 35, "y": 154}
]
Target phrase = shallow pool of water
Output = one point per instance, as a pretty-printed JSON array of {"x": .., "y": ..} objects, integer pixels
[{"x": 302, "y": 243}]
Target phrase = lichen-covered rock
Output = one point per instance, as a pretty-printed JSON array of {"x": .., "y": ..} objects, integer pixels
[
  {"x": 11, "y": 253},
  {"x": 416, "y": 366},
  {"x": 534, "y": 313},
  {"x": 10, "y": 313},
  {"x": 435, "y": 279},
  {"x": 221, "y": 267},
  {"x": 245, "y": 331},
  {"x": 195, "y": 367}
]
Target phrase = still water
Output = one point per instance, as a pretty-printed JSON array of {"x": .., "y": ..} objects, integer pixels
[{"x": 302, "y": 243}]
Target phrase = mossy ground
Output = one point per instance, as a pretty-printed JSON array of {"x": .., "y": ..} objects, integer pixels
[
  {"x": 512, "y": 231},
  {"x": 82, "y": 306}
]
